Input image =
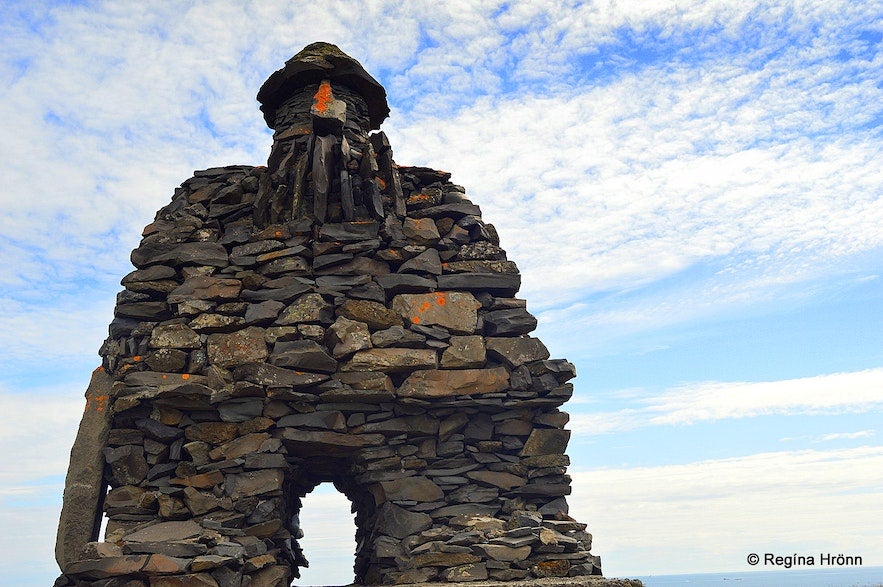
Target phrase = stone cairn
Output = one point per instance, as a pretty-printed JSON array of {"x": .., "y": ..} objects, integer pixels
[{"x": 329, "y": 317}]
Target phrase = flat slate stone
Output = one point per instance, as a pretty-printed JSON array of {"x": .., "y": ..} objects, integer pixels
[
  {"x": 272, "y": 376},
  {"x": 452, "y": 382},
  {"x": 398, "y": 522},
  {"x": 499, "y": 284},
  {"x": 374, "y": 314},
  {"x": 282, "y": 294},
  {"x": 165, "y": 532},
  {"x": 204, "y": 287},
  {"x": 510, "y": 322},
  {"x": 349, "y": 231},
  {"x": 253, "y": 483},
  {"x": 176, "y": 336},
  {"x": 391, "y": 360},
  {"x": 397, "y": 283},
  {"x": 464, "y": 352},
  {"x": 309, "y": 307},
  {"x": 420, "y": 489},
  {"x": 244, "y": 346},
  {"x": 321, "y": 442},
  {"x": 305, "y": 355},
  {"x": 176, "y": 254},
  {"x": 546, "y": 441},
  {"x": 457, "y": 210},
  {"x": 456, "y": 311},
  {"x": 85, "y": 484},
  {"x": 516, "y": 351}
]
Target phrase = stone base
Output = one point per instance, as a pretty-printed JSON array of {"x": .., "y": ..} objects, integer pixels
[{"x": 549, "y": 582}]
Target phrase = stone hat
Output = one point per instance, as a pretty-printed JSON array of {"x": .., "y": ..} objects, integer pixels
[{"x": 315, "y": 62}]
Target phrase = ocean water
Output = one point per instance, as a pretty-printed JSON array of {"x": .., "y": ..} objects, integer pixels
[{"x": 843, "y": 577}]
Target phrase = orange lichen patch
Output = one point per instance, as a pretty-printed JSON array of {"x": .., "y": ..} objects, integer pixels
[
  {"x": 323, "y": 97},
  {"x": 98, "y": 369},
  {"x": 441, "y": 299},
  {"x": 97, "y": 402},
  {"x": 380, "y": 182},
  {"x": 185, "y": 376},
  {"x": 136, "y": 358},
  {"x": 278, "y": 233}
]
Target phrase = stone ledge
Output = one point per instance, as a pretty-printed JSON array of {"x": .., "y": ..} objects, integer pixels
[{"x": 588, "y": 581}]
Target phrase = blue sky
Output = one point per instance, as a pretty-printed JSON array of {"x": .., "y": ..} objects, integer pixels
[{"x": 692, "y": 191}]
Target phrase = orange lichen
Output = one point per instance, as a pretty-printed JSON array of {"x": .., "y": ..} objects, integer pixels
[
  {"x": 380, "y": 182},
  {"x": 441, "y": 298},
  {"x": 323, "y": 97},
  {"x": 185, "y": 376},
  {"x": 136, "y": 358},
  {"x": 97, "y": 402}
]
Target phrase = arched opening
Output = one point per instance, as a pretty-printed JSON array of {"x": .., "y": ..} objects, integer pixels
[{"x": 328, "y": 541}]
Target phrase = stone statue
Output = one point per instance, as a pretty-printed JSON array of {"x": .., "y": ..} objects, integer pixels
[{"x": 331, "y": 317}]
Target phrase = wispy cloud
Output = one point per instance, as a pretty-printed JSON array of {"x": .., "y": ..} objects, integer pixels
[
  {"x": 708, "y": 516},
  {"x": 37, "y": 434},
  {"x": 834, "y": 436},
  {"x": 837, "y": 393}
]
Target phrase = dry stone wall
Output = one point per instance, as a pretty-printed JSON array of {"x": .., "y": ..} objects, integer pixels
[{"x": 330, "y": 317}]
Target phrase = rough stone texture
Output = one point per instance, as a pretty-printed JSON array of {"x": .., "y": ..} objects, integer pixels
[
  {"x": 84, "y": 485},
  {"x": 336, "y": 317}
]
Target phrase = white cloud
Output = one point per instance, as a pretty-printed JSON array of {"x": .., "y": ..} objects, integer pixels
[
  {"x": 37, "y": 435},
  {"x": 620, "y": 186},
  {"x": 834, "y": 436},
  {"x": 838, "y": 393},
  {"x": 708, "y": 516}
]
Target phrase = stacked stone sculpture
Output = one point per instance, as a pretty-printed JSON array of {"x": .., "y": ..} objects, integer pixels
[{"x": 331, "y": 317}]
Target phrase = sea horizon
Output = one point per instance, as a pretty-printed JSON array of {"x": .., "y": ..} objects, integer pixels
[{"x": 799, "y": 577}]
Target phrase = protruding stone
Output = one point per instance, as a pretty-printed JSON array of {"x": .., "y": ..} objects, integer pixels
[
  {"x": 391, "y": 360},
  {"x": 307, "y": 308},
  {"x": 398, "y": 522},
  {"x": 418, "y": 489},
  {"x": 464, "y": 352},
  {"x": 177, "y": 336},
  {"x": 456, "y": 311},
  {"x": 509, "y": 322},
  {"x": 244, "y": 346},
  {"x": 304, "y": 355},
  {"x": 204, "y": 287},
  {"x": 517, "y": 351},
  {"x": 84, "y": 484},
  {"x": 447, "y": 383},
  {"x": 375, "y": 315},
  {"x": 546, "y": 441}
]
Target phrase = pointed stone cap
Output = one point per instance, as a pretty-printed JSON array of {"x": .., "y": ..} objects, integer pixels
[{"x": 311, "y": 65}]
